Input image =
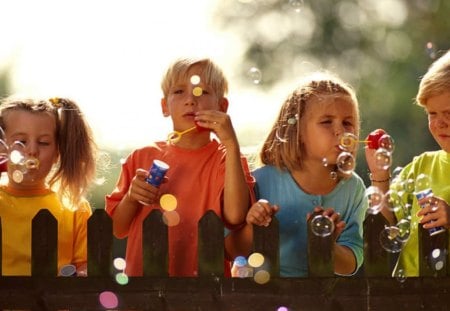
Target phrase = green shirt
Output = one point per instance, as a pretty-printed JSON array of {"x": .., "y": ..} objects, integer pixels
[{"x": 435, "y": 164}]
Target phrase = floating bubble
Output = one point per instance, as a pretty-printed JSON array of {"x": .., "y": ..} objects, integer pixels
[
  {"x": 32, "y": 163},
  {"x": 240, "y": 261},
  {"x": 348, "y": 142},
  {"x": 396, "y": 172},
  {"x": 68, "y": 270},
  {"x": 437, "y": 259},
  {"x": 262, "y": 277},
  {"x": 423, "y": 182},
  {"x": 195, "y": 79},
  {"x": 297, "y": 5},
  {"x": 404, "y": 229},
  {"x": 4, "y": 153},
  {"x": 256, "y": 260},
  {"x": 389, "y": 239},
  {"x": 17, "y": 176},
  {"x": 345, "y": 163},
  {"x": 400, "y": 275},
  {"x": 278, "y": 136},
  {"x": 383, "y": 159},
  {"x": 430, "y": 50},
  {"x": 386, "y": 142},
  {"x": 392, "y": 200},
  {"x": 375, "y": 199},
  {"x": 108, "y": 300},
  {"x": 322, "y": 225},
  {"x": 255, "y": 75},
  {"x": 16, "y": 157},
  {"x": 168, "y": 202},
  {"x": 409, "y": 185},
  {"x": 240, "y": 268},
  {"x": 282, "y": 308},
  {"x": 197, "y": 91},
  {"x": 333, "y": 175},
  {"x": 171, "y": 218},
  {"x": 119, "y": 263},
  {"x": 121, "y": 278}
]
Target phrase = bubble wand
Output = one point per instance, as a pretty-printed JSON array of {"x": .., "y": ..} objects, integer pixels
[{"x": 175, "y": 136}]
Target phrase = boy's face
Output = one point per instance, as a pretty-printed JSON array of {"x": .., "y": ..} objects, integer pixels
[
  {"x": 438, "y": 110},
  {"x": 187, "y": 97}
]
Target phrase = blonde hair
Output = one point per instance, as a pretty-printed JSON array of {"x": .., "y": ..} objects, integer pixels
[
  {"x": 77, "y": 150},
  {"x": 178, "y": 71},
  {"x": 435, "y": 81},
  {"x": 284, "y": 147}
]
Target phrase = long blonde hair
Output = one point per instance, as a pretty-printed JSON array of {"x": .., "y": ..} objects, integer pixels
[
  {"x": 284, "y": 147},
  {"x": 77, "y": 150}
]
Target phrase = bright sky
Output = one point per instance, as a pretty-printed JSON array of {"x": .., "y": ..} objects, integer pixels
[{"x": 109, "y": 56}]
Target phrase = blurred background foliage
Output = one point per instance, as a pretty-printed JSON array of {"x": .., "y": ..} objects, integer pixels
[{"x": 381, "y": 47}]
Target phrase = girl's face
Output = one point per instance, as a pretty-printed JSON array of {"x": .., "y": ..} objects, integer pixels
[
  {"x": 35, "y": 133},
  {"x": 438, "y": 110},
  {"x": 186, "y": 98},
  {"x": 326, "y": 119}
]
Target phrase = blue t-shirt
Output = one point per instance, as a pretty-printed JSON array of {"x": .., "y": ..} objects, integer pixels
[{"x": 347, "y": 198}]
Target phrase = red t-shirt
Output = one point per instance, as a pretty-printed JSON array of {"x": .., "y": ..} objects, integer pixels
[{"x": 196, "y": 179}]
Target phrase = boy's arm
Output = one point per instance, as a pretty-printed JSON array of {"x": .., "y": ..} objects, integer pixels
[
  {"x": 236, "y": 195},
  {"x": 140, "y": 192}
]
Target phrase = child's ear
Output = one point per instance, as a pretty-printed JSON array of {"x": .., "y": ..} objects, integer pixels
[
  {"x": 223, "y": 104},
  {"x": 164, "y": 108}
]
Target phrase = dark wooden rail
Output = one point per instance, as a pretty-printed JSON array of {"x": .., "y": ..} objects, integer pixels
[{"x": 373, "y": 290}]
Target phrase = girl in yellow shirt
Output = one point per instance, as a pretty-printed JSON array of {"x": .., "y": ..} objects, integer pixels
[{"x": 50, "y": 165}]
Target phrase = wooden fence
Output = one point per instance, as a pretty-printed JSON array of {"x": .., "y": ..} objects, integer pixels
[{"x": 374, "y": 289}]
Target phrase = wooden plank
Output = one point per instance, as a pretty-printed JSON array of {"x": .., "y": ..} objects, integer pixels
[
  {"x": 44, "y": 244},
  {"x": 320, "y": 253},
  {"x": 377, "y": 261},
  {"x": 210, "y": 245},
  {"x": 100, "y": 239},
  {"x": 433, "y": 253},
  {"x": 266, "y": 241},
  {"x": 155, "y": 245}
]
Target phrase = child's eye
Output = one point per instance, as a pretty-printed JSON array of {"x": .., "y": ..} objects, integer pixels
[
  {"x": 44, "y": 143},
  {"x": 348, "y": 123},
  {"x": 178, "y": 91},
  {"x": 325, "y": 122}
]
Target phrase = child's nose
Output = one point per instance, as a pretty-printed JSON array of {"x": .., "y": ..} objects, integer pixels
[{"x": 31, "y": 149}]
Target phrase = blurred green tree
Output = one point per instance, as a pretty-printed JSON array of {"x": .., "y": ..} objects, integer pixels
[{"x": 381, "y": 47}]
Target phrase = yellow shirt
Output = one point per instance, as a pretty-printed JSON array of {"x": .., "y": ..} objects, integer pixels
[{"x": 17, "y": 211}]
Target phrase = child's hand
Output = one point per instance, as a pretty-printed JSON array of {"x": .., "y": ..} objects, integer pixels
[
  {"x": 435, "y": 213},
  {"x": 141, "y": 191},
  {"x": 220, "y": 123},
  {"x": 261, "y": 213},
  {"x": 339, "y": 224}
]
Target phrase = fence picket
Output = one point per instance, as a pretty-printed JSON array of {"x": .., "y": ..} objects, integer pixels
[
  {"x": 155, "y": 245},
  {"x": 266, "y": 241},
  {"x": 210, "y": 245},
  {"x": 320, "y": 254},
  {"x": 100, "y": 239},
  {"x": 44, "y": 244},
  {"x": 377, "y": 261},
  {"x": 432, "y": 253}
]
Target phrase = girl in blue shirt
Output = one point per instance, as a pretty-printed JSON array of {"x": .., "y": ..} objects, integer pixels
[{"x": 299, "y": 176}]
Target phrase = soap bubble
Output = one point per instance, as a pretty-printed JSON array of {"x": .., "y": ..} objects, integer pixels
[{"x": 322, "y": 225}]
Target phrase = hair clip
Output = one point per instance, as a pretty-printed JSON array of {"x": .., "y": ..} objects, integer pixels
[
  {"x": 56, "y": 102},
  {"x": 293, "y": 120}
]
